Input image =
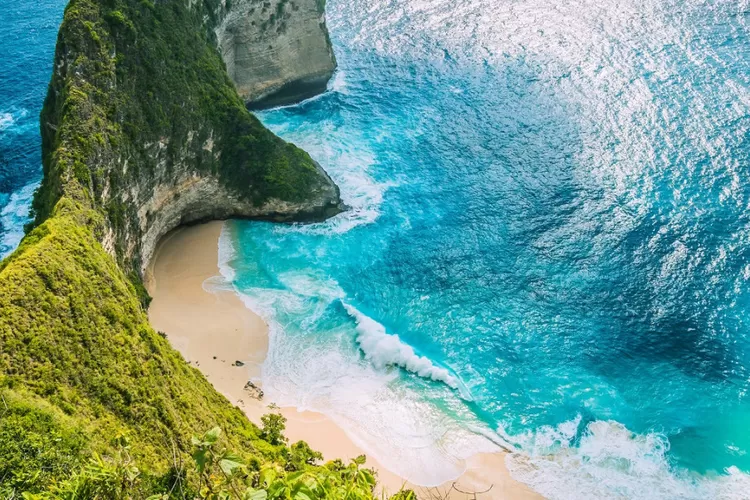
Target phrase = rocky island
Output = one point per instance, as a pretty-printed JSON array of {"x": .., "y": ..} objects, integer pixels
[{"x": 144, "y": 130}]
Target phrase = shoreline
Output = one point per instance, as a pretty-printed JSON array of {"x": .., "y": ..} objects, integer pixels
[{"x": 213, "y": 330}]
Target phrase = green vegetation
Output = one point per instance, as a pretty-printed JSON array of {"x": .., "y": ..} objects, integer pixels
[
  {"x": 139, "y": 90},
  {"x": 80, "y": 364},
  {"x": 93, "y": 402},
  {"x": 83, "y": 373},
  {"x": 216, "y": 473}
]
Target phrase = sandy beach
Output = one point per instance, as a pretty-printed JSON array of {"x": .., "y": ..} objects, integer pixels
[{"x": 214, "y": 330}]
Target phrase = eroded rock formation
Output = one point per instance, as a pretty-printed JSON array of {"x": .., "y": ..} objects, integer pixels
[
  {"x": 143, "y": 124},
  {"x": 276, "y": 51}
]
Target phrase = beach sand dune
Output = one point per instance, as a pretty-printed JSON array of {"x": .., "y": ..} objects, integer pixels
[{"x": 214, "y": 330}]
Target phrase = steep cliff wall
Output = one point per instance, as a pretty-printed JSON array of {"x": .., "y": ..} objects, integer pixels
[
  {"x": 142, "y": 123},
  {"x": 142, "y": 131},
  {"x": 276, "y": 51}
]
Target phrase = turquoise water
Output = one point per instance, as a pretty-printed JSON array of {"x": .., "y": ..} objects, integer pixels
[
  {"x": 550, "y": 212},
  {"x": 28, "y": 31},
  {"x": 548, "y": 248}
]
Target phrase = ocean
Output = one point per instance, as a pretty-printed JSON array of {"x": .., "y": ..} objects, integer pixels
[
  {"x": 27, "y": 35},
  {"x": 547, "y": 248}
]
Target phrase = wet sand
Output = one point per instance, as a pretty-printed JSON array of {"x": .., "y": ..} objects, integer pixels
[{"x": 214, "y": 330}]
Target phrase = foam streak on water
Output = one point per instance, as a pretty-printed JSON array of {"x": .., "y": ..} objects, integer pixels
[
  {"x": 610, "y": 461},
  {"x": 28, "y": 30},
  {"x": 13, "y": 217}
]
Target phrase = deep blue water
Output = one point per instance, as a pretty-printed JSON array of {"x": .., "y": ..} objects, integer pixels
[
  {"x": 27, "y": 49},
  {"x": 549, "y": 209}
]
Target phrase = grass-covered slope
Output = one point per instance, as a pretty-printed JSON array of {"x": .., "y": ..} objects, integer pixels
[
  {"x": 81, "y": 365},
  {"x": 139, "y": 96}
]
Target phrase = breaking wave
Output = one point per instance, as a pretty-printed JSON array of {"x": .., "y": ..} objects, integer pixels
[
  {"x": 384, "y": 350},
  {"x": 604, "y": 459},
  {"x": 14, "y": 216},
  {"x": 6, "y": 121}
]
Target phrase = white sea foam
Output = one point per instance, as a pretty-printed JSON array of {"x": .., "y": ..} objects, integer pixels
[
  {"x": 6, "y": 121},
  {"x": 338, "y": 82},
  {"x": 362, "y": 194},
  {"x": 227, "y": 253},
  {"x": 347, "y": 158},
  {"x": 610, "y": 461},
  {"x": 318, "y": 371},
  {"x": 9, "y": 120},
  {"x": 13, "y": 217},
  {"x": 383, "y": 350}
]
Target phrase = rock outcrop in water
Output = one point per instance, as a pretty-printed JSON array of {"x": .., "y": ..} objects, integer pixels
[
  {"x": 276, "y": 51},
  {"x": 142, "y": 131}
]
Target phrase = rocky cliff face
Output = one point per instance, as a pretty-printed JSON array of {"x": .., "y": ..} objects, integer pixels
[
  {"x": 276, "y": 51},
  {"x": 143, "y": 124},
  {"x": 189, "y": 197},
  {"x": 142, "y": 131}
]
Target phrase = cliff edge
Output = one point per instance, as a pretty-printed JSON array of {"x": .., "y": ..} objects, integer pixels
[
  {"x": 142, "y": 130},
  {"x": 143, "y": 124}
]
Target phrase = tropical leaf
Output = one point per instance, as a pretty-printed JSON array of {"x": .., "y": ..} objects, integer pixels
[
  {"x": 277, "y": 489},
  {"x": 212, "y": 436},
  {"x": 267, "y": 476},
  {"x": 253, "y": 494},
  {"x": 201, "y": 458},
  {"x": 294, "y": 476},
  {"x": 230, "y": 462},
  {"x": 367, "y": 477},
  {"x": 301, "y": 491}
]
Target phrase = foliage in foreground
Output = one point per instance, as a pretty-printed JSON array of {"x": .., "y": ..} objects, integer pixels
[
  {"x": 217, "y": 473},
  {"x": 79, "y": 364},
  {"x": 96, "y": 405}
]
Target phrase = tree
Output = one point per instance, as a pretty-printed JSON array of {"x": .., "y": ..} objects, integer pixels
[{"x": 273, "y": 428}]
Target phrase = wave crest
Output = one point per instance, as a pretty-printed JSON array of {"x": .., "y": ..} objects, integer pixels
[
  {"x": 9, "y": 120},
  {"x": 383, "y": 350},
  {"x": 227, "y": 253},
  {"x": 610, "y": 461},
  {"x": 6, "y": 121},
  {"x": 13, "y": 216}
]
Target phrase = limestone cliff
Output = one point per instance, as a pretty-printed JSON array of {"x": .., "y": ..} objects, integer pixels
[
  {"x": 143, "y": 123},
  {"x": 276, "y": 51},
  {"x": 142, "y": 130}
]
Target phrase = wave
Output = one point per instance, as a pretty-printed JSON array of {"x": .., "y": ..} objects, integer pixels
[
  {"x": 362, "y": 194},
  {"x": 14, "y": 216},
  {"x": 338, "y": 82},
  {"x": 311, "y": 368},
  {"x": 9, "y": 120},
  {"x": 346, "y": 157},
  {"x": 227, "y": 253},
  {"x": 224, "y": 282},
  {"x": 606, "y": 460},
  {"x": 6, "y": 121},
  {"x": 384, "y": 350}
]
